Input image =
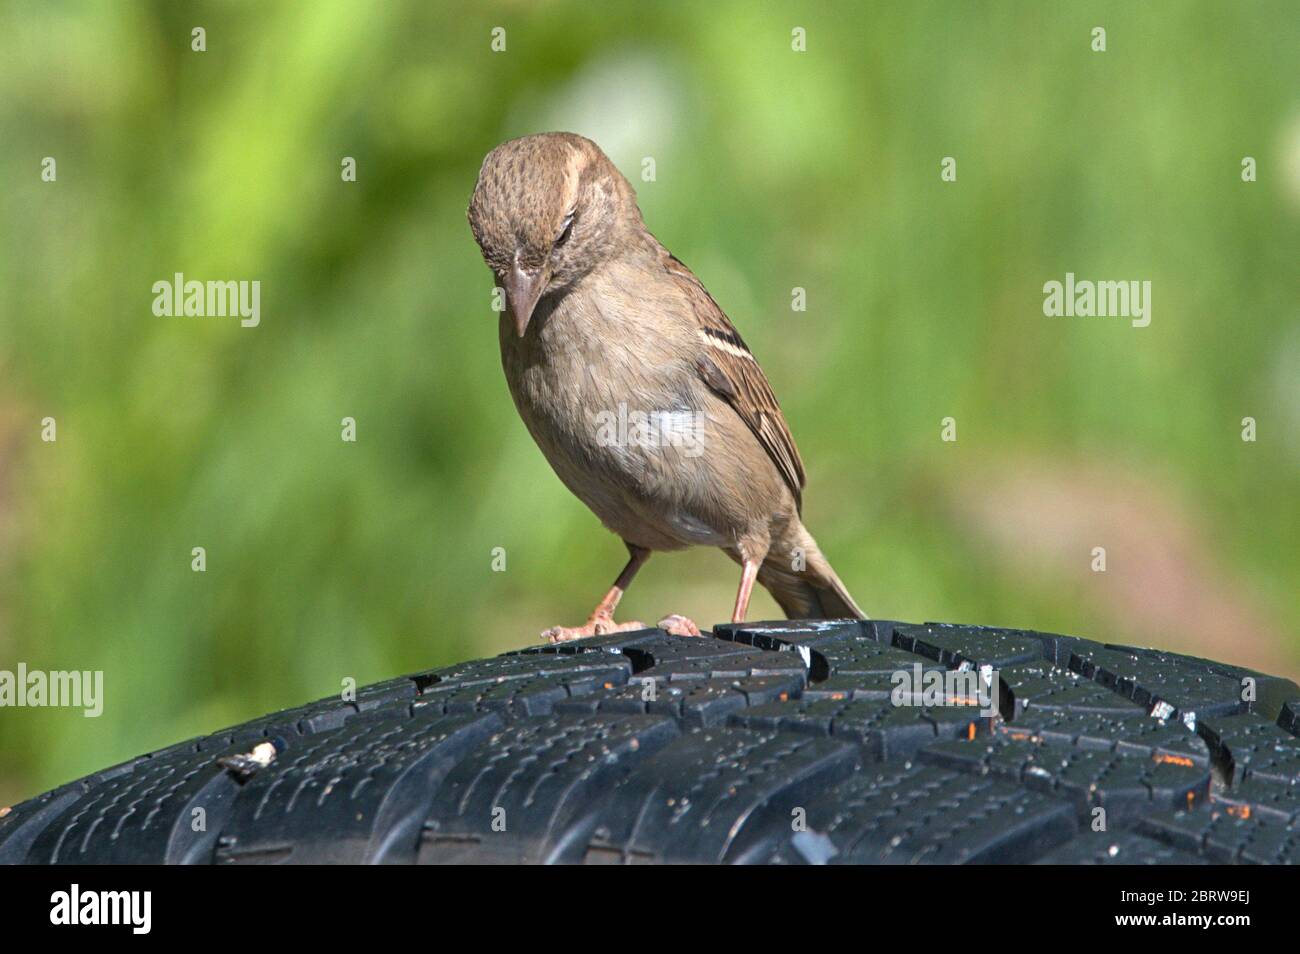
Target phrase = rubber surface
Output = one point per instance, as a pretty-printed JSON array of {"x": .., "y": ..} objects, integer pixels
[{"x": 762, "y": 743}]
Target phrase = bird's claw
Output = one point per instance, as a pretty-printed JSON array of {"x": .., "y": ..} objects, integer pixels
[
  {"x": 596, "y": 626},
  {"x": 678, "y": 625}
]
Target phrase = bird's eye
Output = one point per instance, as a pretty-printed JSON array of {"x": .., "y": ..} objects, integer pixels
[{"x": 565, "y": 230}]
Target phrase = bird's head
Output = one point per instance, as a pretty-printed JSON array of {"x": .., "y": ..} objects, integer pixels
[{"x": 548, "y": 209}]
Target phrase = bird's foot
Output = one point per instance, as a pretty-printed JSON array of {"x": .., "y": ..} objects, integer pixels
[
  {"x": 598, "y": 625},
  {"x": 678, "y": 625}
]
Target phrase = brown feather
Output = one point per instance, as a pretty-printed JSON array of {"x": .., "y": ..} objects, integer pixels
[{"x": 729, "y": 368}]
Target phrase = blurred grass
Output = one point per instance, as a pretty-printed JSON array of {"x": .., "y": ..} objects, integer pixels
[{"x": 329, "y": 560}]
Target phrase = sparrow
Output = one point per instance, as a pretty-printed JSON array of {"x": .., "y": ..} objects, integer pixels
[{"x": 643, "y": 397}]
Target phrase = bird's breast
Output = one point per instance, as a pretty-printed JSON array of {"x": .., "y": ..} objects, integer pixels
[{"x": 621, "y": 422}]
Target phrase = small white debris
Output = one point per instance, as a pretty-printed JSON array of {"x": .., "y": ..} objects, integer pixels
[
  {"x": 1189, "y": 720},
  {"x": 246, "y": 763},
  {"x": 1162, "y": 711}
]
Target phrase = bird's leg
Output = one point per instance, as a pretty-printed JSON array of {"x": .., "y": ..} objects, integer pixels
[
  {"x": 747, "y": 577},
  {"x": 601, "y": 620}
]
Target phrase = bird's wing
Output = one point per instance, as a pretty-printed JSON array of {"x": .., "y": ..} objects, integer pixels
[{"x": 730, "y": 370}]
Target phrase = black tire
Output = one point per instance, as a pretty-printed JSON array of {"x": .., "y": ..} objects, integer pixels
[{"x": 765, "y": 742}]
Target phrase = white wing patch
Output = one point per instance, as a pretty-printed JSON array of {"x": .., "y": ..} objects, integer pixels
[{"x": 725, "y": 346}]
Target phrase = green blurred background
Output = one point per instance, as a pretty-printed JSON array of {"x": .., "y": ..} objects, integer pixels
[{"x": 775, "y": 169}]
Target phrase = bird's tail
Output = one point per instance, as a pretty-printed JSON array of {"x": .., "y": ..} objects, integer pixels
[{"x": 802, "y": 580}]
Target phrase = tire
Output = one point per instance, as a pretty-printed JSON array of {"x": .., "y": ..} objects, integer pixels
[{"x": 761, "y": 743}]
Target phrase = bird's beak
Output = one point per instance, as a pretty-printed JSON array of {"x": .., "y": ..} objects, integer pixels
[{"x": 523, "y": 288}]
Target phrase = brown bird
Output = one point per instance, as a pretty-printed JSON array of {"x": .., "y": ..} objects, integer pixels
[{"x": 643, "y": 397}]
